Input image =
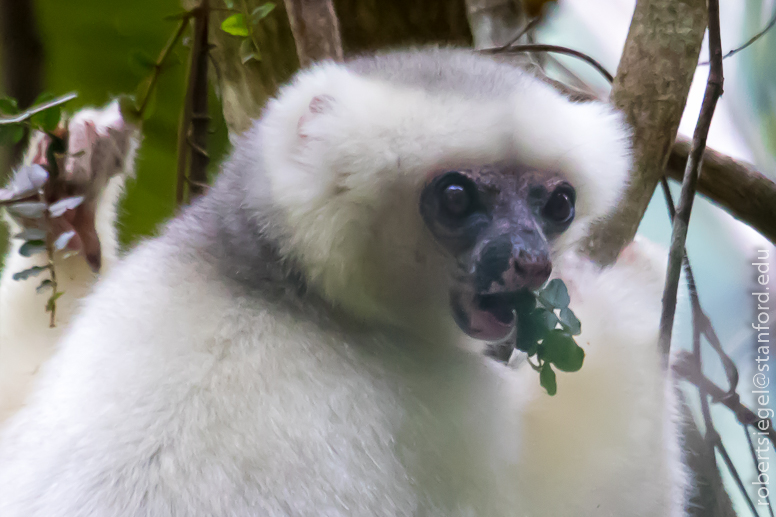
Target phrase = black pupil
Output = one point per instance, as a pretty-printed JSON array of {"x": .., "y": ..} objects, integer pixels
[
  {"x": 456, "y": 199},
  {"x": 559, "y": 207}
]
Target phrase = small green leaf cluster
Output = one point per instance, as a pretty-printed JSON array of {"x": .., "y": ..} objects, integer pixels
[
  {"x": 44, "y": 116},
  {"x": 239, "y": 25},
  {"x": 546, "y": 327}
]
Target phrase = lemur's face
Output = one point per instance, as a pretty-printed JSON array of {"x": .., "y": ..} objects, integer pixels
[{"x": 498, "y": 221}]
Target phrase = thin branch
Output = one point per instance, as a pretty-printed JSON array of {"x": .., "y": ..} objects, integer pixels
[
  {"x": 684, "y": 208},
  {"x": 551, "y": 48},
  {"x": 756, "y": 462},
  {"x": 161, "y": 60},
  {"x": 701, "y": 321},
  {"x": 28, "y": 113},
  {"x": 522, "y": 32},
  {"x": 684, "y": 367},
  {"x": 748, "y": 43},
  {"x": 736, "y": 477}
]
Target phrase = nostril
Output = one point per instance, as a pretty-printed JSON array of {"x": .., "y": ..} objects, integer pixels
[{"x": 533, "y": 269}]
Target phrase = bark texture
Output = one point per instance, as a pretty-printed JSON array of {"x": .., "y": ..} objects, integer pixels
[
  {"x": 316, "y": 30},
  {"x": 651, "y": 87}
]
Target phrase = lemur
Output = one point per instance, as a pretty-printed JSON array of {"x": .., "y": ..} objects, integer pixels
[{"x": 296, "y": 342}]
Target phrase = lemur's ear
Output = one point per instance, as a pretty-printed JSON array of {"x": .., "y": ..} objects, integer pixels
[{"x": 319, "y": 104}]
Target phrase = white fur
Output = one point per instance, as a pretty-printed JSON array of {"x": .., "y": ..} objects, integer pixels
[
  {"x": 26, "y": 340},
  {"x": 177, "y": 392},
  {"x": 381, "y": 140}
]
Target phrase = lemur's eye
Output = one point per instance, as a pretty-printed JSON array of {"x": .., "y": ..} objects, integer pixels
[
  {"x": 560, "y": 206},
  {"x": 457, "y": 194},
  {"x": 456, "y": 199}
]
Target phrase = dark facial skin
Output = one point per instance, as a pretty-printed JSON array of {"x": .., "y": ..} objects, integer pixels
[{"x": 497, "y": 221}]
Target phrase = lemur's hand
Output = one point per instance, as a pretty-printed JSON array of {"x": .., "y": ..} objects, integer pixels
[{"x": 100, "y": 145}]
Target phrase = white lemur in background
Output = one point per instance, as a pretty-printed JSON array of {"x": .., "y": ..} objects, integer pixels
[
  {"x": 102, "y": 149},
  {"x": 288, "y": 345}
]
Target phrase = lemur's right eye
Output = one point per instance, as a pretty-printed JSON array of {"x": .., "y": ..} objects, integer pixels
[
  {"x": 457, "y": 194},
  {"x": 456, "y": 200}
]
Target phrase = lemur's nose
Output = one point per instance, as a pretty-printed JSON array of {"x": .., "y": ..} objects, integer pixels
[
  {"x": 512, "y": 262},
  {"x": 530, "y": 269}
]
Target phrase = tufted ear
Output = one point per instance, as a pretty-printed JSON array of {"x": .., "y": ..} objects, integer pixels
[{"x": 319, "y": 104}]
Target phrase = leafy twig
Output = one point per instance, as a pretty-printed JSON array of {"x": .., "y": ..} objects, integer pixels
[{"x": 28, "y": 113}]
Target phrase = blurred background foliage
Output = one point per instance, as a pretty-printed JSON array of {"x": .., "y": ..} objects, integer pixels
[{"x": 100, "y": 50}]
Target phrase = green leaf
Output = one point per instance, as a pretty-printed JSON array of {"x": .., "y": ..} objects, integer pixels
[
  {"x": 141, "y": 62},
  {"x": 555, "y": 295},
  {"x": 235, "y": 25},
  {"x": 128, "y": 109},
  {"x": 561, "y": 350},
  {"x": 262, "y": 11},
  {"x": 570, "y": 322},
  {"x": 547, "y": 379},
  {"x": 52, "y": 300},
  {"x": 63, "y": 240},
  {"x": 248, "y": 51},
  {"x": 27, "y": 210},
  {"x": 530, "y": 330},
  {"x": 8, "y": 105},
  {"x": 27, "y": 273},
  {"x": 63, "y": 205},
  {"x": 31, "y": 234},
  {"x": 47, "y": 283},
  {"x": 48, "y": 118},
  {"x": 38, "y": 108},
  {"x": 11, "y": 134},
  {"x": 524, "y": 302},
  {"x": 548, "y": 318},
  {"x": 29, "y": 179},
  {"x": 31, "y": 248}
]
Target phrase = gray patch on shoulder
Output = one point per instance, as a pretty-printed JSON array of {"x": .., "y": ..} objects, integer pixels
[{"x": 243, "y": 242}]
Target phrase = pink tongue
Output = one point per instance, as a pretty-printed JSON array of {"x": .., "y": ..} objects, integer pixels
[{"x": 485, "y": 326}]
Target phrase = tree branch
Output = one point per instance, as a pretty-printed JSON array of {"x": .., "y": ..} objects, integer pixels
[
  {"x": 21, "y": 61},
  {"x": 494, "y": 23},
  {"x": 316, "y": 30},
  {"x": 746, "y": 194},
  {"x": 199, "y": 119},
  {"x": 650, "y": 88}
]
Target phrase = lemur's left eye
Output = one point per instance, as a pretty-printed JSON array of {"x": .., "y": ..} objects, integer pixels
[{"x": 560, "y": 206}]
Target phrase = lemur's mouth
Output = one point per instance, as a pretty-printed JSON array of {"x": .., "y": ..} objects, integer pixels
[{"x": 489, "y": 317}]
